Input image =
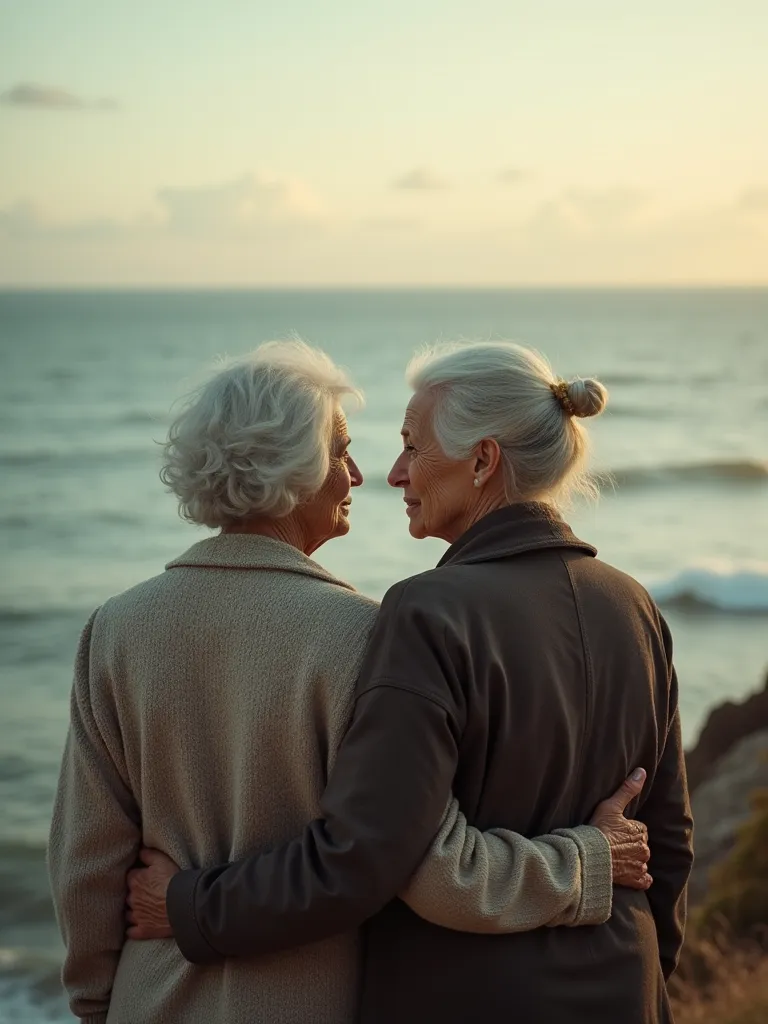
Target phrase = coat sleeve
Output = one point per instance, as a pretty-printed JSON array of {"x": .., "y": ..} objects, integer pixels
[
  {"x": 94, "y": 841},
  {"x": 667, "y": 813},
  {"x": 381, "y": 808},
  {"x": 499, "y": 882}
]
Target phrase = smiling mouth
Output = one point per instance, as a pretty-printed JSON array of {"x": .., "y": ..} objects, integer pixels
[{"x": 411, "y": 506}]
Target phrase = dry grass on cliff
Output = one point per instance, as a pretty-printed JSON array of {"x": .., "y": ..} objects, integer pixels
[{"x": 736, "y": 991}]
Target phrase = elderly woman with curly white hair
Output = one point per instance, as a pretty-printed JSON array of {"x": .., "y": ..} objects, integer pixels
[{"x": 207, "y": 709}]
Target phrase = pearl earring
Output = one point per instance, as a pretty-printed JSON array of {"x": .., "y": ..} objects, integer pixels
[{"x": 477, "y": 482}]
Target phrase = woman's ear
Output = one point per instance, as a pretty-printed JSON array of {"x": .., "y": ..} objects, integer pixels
[{"x": 487, "y": 458}]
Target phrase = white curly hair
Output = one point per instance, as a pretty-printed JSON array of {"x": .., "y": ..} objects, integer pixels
[{"x": 255, "y": 438}]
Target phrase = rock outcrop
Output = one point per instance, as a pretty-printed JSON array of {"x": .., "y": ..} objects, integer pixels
[
  {"x": 722, "y": 803},
  {"x": 726, "y": 726}
]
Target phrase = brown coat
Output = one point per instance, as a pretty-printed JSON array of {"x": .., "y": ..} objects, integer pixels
[{"x": 530, "y": 677}]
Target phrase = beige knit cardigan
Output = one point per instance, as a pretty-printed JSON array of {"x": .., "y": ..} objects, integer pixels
[{"x": 207, "y": 706}]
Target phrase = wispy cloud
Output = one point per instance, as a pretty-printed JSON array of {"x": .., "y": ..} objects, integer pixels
[
  {"x": 511, "y": 175},
  {"x": 238, "y": 206},
  {"x": 754, "y": 198},
  {"x": 242, "y": 208},
  {"x": 45, "y": 97},
  {"x": 26, "y": 220},
  {"x": 421, "y": 179},
  {"x": 597, "y": 210}
]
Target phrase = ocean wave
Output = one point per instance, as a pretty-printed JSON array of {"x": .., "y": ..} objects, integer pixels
[
  {"x": 639, "y": 412},
  {"x": 753, "y": 471},
  {"x": 17, "y": 616},
  {"x": 63, "y": 458},
  {"x": 735, "y": 590},
  {"x": 140, "y": 418},
  {"x": 643, "y": 377},
  {"x": 30, "y": 988},
  {"x": 90, "y": 518},
  {"x": 25, "y": 896}
]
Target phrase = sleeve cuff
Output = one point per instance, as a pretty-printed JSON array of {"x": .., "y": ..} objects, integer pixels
[
  {"x": 180, "y": 907},
  {"x": 94, "y": 1018},
  {"x": 596, "y": 874}
]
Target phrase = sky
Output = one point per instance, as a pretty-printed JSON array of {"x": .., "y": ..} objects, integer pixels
[{"x": 413, "y": 142}]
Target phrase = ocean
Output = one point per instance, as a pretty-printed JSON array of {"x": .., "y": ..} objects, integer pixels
[{"x": 87, "y": 381}]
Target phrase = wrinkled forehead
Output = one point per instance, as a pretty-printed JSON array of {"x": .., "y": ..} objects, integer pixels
[
  {"x": 339, "y": 427},
  {"x": 418, "y": 412}
]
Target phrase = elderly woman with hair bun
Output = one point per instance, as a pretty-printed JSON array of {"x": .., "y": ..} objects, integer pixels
[{"x": 210, "y": 702}]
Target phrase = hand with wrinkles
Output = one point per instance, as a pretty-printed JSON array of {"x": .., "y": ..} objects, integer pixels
[
  {"x": 628, "y": 839},
  {"x": 147, "y": 888}
]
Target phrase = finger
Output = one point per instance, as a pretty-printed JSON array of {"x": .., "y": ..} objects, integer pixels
[
  {"x": 636, "y": 882},
  {"x": 149, "y": 856},
  {"x": 630, "y": 788},
  {"x": 135, "y": 876}
]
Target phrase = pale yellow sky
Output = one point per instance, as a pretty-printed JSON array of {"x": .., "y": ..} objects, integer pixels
[{"x": 409, "y": 143}]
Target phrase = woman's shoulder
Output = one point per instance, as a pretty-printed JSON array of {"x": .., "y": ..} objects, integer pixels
[{"x": 431, "y": 592}]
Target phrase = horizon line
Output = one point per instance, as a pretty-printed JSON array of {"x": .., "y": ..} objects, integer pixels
[{"x": 385, "y": 287}]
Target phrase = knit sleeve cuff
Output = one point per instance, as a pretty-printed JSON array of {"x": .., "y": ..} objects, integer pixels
[
  {"x": 94, "y": 1018},
  {"x": 596, "y": 874},
  {"x": 180, "y": 907}
]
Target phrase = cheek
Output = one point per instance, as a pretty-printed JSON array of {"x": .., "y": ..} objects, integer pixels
[
  {"x": 427, "y": 480},
  {"x": 339, "y": 484}
]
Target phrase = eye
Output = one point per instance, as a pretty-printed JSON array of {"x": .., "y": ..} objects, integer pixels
[{"x": 408, "y": 448}]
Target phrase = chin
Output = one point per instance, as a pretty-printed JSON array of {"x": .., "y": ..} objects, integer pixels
[
  {"x": 416, "y": 529},
  {"x": 342, "y": 527}
]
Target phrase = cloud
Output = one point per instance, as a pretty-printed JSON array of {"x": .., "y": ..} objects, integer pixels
[
  {"x": 239, "y": 206},
  {"x": 589, "y": 211},
  {"x": 44, "y": 97},
  {"x": 511, "y": 175},
  {"x": 257, "y": 229},
  {"x": 754, "y": 199},
  {"x": 243, "y": 208},
  {"x": 392, "y": 223},
  {"x": 420, "y": 179},
  {"x": 25, "y": 220}
]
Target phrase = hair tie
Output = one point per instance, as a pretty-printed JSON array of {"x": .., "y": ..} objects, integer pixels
[{"x": 560, "y": 391}]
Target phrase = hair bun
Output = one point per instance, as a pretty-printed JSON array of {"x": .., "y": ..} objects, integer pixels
[{"x": 588, "y": 397}]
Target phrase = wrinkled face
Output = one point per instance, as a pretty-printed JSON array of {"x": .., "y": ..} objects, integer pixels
[
  {"x": 327, "y": 515},
  {"x": 438, "y": 491}
]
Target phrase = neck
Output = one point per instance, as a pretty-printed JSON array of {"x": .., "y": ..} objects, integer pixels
[
  {"x": 487, "y": 501},
  {"x": 286, "y": 529}
]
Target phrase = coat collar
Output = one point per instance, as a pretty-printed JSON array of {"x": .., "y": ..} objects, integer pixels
[
  {"x": 252, "y": 551},
  {"x": 513, "y": 530}
]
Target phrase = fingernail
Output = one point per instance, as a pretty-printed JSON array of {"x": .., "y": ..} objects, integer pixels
[{"x": 637, "y": 774}]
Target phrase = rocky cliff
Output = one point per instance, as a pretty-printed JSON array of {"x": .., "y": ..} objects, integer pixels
[{"x": 729, "y": 762}]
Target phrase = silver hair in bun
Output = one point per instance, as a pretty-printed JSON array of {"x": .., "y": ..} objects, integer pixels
[
  {"x": 502, "y": 391},
  {"x": 581, "y": 397}
]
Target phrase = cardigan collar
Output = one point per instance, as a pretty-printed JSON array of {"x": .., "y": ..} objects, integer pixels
[
  {"x": 252, "y": 551},
  {"x": 513, "y": 530}
]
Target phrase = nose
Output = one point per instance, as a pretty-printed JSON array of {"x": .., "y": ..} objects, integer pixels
[
  {"x": 355, "y": 476},
  {"x": 398, "y": 475}
]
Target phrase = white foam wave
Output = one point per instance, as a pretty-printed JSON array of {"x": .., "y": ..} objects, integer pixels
[
  {"x": 737, "y": 589},
  {"x": 30, "y": 990},
  {"x": 747, "y": 471}
]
